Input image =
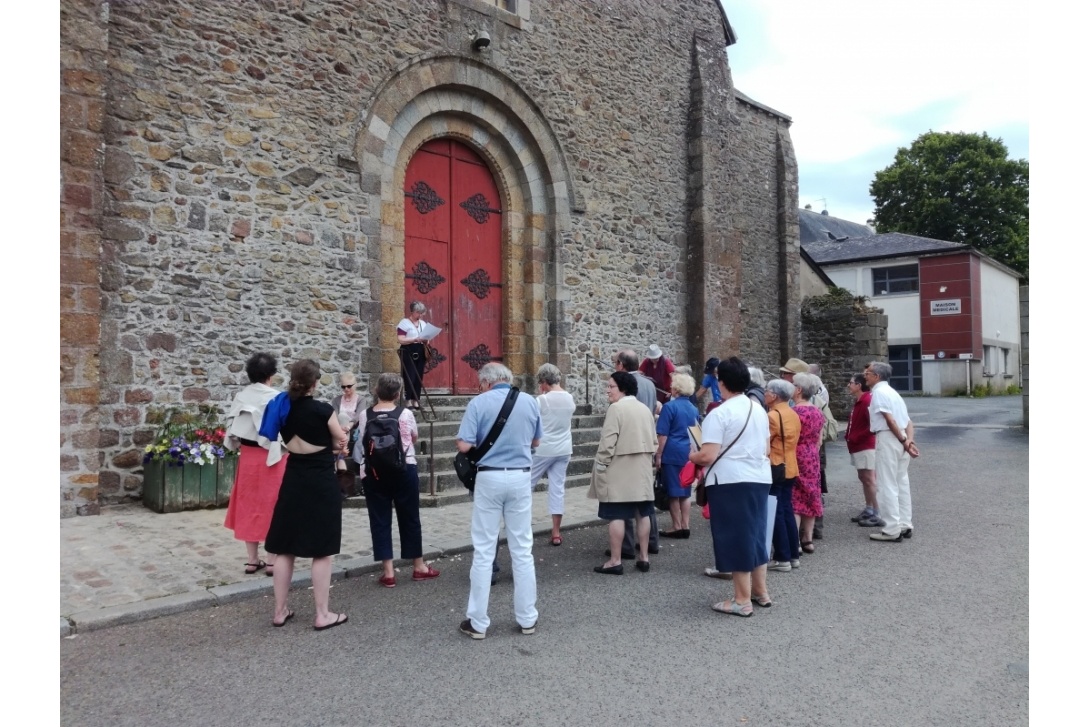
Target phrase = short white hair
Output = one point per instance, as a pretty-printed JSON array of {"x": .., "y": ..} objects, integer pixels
[
  {"x": 756, "y": 376},
  {"x": 808, "y": 384},
  {"x": 781, "y": 389},
  {"x": 495, "y": 373}
]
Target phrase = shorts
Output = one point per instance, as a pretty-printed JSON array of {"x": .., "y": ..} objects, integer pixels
[{"x": 863, "y": 460}]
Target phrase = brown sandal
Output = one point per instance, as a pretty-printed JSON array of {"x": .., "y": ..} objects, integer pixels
[{"x": 252, "y": 568}]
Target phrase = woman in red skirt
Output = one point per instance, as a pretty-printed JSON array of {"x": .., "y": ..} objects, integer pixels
[{"x": 260, "y": 464}]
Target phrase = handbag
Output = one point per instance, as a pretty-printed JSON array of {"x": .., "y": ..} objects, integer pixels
[
  {"x": 701, "y": 487},
  {"x": 465, "y": 463},
  {"x": 662, "y": 498},
  {"x": 779, "y": 471}
]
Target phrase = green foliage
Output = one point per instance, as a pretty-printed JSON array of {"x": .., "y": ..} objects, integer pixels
[
  {"x": 1013, "y": 389},
  {"x": 958, "y": 187}
]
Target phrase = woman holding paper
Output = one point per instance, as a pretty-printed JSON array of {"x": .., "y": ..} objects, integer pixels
[{"x": 410, "y": 333}]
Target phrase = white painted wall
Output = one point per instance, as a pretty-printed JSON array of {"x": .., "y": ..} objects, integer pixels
[
  {"x": 903, "y": 309},
  {"x": 1000, "y": 320}
]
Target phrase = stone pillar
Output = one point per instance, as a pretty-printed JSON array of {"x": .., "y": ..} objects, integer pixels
[
  {"x": 714, "y": 250},
  {"x": 787, "y": 230},
  {"x": 84, "y": 43}
]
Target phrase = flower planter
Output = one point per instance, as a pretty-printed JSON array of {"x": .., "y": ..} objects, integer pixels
[{"x": 174, "y": 488}]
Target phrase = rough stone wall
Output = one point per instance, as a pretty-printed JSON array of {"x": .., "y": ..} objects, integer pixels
[
  {"x": 82, "y": 103},
  {"x": 843, "y": 335},
  {"x": 764, "y": 217},
  {"x": 235, "y": 219}
]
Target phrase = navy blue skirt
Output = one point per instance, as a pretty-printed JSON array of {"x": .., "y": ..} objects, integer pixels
[
  {"x": 625, "y": 510},
  {"x": 739, "y": 518},
  {"x": 671, "y": 475}
]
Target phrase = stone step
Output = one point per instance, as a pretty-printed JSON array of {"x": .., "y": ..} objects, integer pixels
[
  {"x": 443, "y": 460},
  {"x": 458, "y": 494},
  {"x": 449, "y": 427},
  {"x": 447, "y": 479},
  {"x": 445, "y": 412},
  {"x": 447, "y": 445}
]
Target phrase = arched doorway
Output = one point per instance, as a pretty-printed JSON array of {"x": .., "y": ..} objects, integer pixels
[{"x": 453, "y": 234}]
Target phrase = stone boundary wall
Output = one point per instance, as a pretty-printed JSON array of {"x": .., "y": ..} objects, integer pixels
[
  {"x": 1023, "y": 304},
  {"x": 843, "y": 335}
]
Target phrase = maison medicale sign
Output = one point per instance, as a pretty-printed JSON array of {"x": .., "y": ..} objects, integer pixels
[{"x": 946, "y": 307}]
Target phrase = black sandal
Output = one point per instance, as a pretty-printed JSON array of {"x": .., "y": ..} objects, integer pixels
[
  {"x": 807, "y": 546},
  {"x": 252, "y": 568}
]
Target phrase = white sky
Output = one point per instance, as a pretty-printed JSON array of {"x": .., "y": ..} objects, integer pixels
[{"x": 861, "y": 79}]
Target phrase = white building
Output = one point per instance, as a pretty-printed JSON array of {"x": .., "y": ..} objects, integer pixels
[{"x": 953, "y": 312}]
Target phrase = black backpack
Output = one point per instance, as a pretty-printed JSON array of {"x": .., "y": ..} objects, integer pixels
[{"x": 384, "y": 458}]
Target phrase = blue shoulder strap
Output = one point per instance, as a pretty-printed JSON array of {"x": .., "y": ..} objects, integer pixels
[{"x": 276, "y": 411}]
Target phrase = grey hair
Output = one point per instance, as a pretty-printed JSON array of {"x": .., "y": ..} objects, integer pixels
[
  {"x": 351, "y": 377},
  {"x": 495, "y": 373},
  {"x": 628, "y": 359},
  {"x": 881, "y": 369},
  {"x": 808, "y": 384},
  {"x": 815, "y": 369},
  {"x": 782, "y": 390},
  {"x": 548, "y": 374},
  {"x": 757, "y": 376},
  {"x": 417, "y": 306}
]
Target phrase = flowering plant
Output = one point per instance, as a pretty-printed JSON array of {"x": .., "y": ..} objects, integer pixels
[{"x": 187, "y": 437}]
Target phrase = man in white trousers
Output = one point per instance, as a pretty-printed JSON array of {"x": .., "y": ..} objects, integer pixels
[
  {"x": 503, "y": 493},
  {"x": 895, "y": 447}
]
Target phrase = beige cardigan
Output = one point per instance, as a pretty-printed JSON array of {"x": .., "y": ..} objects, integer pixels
[{"x": 622, "y": 466}]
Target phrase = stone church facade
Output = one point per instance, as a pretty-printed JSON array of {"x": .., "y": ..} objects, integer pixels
[{"x": 268, "y": 175}]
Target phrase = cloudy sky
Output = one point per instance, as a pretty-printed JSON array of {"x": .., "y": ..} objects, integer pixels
[{"x": 860, "y": 79}]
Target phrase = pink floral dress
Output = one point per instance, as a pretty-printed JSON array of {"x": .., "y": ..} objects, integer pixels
[{"x": 806, "y": 496}]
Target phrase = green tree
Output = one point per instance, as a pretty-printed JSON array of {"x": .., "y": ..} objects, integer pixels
[{"x": 958, "y": 187}]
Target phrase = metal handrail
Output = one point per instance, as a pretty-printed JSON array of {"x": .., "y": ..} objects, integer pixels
[{"x": 586, "y": 369}]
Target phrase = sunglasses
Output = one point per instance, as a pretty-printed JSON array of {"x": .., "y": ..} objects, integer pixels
[{"x": 347, "y": 386}]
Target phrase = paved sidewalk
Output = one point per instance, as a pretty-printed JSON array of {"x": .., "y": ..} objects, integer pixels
[{"x": 129, "y": 563}]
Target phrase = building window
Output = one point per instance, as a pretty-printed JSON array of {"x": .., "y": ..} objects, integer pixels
[
  {"x": 905, "y": 362},
  {"x": 1006, "y": 361},
  {"x": 510, "y": 6},
  {"x": 896, "y": 279}
]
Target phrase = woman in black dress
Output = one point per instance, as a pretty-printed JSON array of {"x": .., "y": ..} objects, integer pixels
[{"x": 306, "y": 521}]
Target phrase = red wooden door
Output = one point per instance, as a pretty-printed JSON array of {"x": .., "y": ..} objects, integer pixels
[{"x": 452, "y": 260}]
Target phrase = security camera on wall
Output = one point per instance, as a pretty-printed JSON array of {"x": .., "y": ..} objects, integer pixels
[{"x": 482, "y": 40}]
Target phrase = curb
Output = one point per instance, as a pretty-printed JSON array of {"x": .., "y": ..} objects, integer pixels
[{"x": 103, "y": 618}]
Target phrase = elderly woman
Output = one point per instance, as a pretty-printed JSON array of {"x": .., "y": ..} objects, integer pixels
[
  {"x": 306, "y": 522},
  {"x": 622, "y": 479},
  {"x": 672, "y": 455},
  {"x": 755, "y": 390},
  {"x": 735, "y": 451},
  {"x": 349, "y": 405},
  {"x": 784, "y": 428},
  {"x": 413, "y": 352},
  {"x": 554, "y": 452},
  {"x": 861, "y": 447},
  {"x": 806, "y": 497},
  {"x": 401, "y": 493},
  {"x": 260, "y": 463}
]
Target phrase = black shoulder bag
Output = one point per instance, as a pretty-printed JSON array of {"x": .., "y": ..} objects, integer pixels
[{"x": 465, "y": 463}]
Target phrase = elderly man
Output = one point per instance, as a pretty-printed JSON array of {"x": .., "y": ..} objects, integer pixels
[
  {"x": 627, "y": 360},
  {"x": 895, "y": 447},
  {"x": 660, "y": 369},
  {"x": 503, "y": 492}
]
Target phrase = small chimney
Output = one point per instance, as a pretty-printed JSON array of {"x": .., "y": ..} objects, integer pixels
[{"x": 825, "y": 212}]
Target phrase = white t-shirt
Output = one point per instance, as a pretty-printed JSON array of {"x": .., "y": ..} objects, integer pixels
[
  {"x": 747, "y": 460},
  {"x": 557, "y": 409},
  {"x": 884, "y": 398}
]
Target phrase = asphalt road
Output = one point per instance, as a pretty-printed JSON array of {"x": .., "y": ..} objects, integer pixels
[{"x": 932, "y": 631}]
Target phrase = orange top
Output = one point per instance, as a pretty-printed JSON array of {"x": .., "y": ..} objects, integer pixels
[{"x": 781, "y": 412}]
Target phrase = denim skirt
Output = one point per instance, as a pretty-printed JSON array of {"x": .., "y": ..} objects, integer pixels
[{"x": 739, "y": 517}]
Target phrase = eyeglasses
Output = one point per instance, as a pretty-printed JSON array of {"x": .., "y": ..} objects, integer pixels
[{"x": 347, "y": 386}]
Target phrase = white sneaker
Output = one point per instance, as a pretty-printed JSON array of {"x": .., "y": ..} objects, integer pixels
[
  {"x": 795, "y": 563},
  {"x": 781, "y": 566}
]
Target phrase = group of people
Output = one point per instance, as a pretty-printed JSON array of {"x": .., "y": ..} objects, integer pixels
[
  {"x": 292, "y": 501},
  {"x": 754, "y": 457}
]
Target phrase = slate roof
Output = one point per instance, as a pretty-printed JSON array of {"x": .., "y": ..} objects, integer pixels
[
  {"x": 816, "y": 227},
  {"x": 873, "y": 247}
]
